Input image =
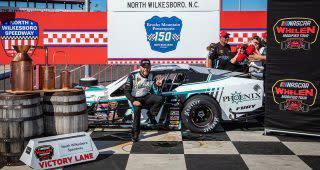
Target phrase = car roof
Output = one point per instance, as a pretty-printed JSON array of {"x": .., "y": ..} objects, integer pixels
[{"x": 179, "y": 67}]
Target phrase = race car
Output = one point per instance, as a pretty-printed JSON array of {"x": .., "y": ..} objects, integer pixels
[{"x": 198, "y": 97}]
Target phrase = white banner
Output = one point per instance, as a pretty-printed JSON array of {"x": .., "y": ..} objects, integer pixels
[
  {"x": 161, "y": 35},
  {"x": 163, "y": 5}
]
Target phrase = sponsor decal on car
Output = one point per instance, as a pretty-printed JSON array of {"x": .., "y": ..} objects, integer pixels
[
  {"x": 163, "y": 33},
  {"x": 294, "y": 95},
  {"x": 239, "y": 108},
  {"x": 237, "y": 97},
  {"x": 296, "y": 33}
]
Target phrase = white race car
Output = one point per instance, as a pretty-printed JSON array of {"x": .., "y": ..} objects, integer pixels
[{"x": 198, "y": 97}]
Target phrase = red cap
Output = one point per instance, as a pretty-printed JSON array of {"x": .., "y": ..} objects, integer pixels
[
  {"x": 241, "y": 57},
  {"x": 224, "y": 34},
  {"x": 264, "y": 35}
]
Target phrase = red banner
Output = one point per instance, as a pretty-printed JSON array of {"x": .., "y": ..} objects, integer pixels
[{"x": 74, "y": 37}]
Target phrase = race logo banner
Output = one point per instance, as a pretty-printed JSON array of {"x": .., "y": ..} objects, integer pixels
[
  {"x": 296, "y": 33},
  {"x": 18, "y": 32},
  {"x": 44, "y": 152},
  {"x": 294, "y": 95},
  {"x": 163, "y": 33}
]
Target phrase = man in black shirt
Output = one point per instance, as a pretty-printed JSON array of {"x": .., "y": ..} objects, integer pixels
[
  {"x": 219, "y": 53},
  {"x": 141, "y": 89}
]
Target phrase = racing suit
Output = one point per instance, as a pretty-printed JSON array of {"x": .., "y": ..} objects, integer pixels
[
  {"x": 220, "y": 55},
  {"x": 142, "y": 89}
]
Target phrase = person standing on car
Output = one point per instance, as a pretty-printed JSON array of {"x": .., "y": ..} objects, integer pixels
[
  {"x": 219, "y": 53},
  {"x": 142, "y": 90}
]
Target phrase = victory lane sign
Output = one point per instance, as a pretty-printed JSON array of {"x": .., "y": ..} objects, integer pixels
[{"x": 59, "y": 151}]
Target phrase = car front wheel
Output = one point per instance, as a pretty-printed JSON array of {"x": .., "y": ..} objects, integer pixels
[{"x": 201, "y": 114}]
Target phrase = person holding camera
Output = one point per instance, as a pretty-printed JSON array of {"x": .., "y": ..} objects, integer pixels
[
  {"x": 142, "y": 90},
  {"x": 219, "y": 53}
]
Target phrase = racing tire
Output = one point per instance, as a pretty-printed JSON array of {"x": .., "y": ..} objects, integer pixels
[{"x": 201, "y": 114}]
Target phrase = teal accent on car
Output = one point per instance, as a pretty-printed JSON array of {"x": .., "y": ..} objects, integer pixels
[{"x": 95, "y": 89}]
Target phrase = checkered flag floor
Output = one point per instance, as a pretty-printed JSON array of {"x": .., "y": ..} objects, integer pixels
[{"x": 233, "y": 146}]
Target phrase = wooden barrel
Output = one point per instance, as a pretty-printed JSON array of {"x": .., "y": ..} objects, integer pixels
[
  {"x": 21, "y": 119},
  {"x": 65, "y": 112}
]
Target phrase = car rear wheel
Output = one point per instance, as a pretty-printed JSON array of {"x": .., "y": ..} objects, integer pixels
[{"x": 201, "y": 114}]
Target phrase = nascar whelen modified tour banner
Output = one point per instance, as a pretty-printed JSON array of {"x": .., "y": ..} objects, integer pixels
[{"x": 293, "y": 74}]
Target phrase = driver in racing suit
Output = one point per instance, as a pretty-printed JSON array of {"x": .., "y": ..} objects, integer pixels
[{"x": 141, "y": 90}]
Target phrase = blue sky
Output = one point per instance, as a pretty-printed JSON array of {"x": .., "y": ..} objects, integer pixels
[{"x": 244, "y": 5}]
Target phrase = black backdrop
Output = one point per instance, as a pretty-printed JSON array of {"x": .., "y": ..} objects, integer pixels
[{"x": 293, "y": 66}]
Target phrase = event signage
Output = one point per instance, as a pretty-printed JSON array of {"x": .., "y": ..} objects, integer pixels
[
  {"x": 59, "y": 151},
  {"x": 292, "y": 77},
  {"x": 163, "y": 5},
  {"x": 296, "y": 33},
  {"x": 18, "y": 32},
  {"x": 294, "y": 95},
  {"x": 163, "y": 33}
]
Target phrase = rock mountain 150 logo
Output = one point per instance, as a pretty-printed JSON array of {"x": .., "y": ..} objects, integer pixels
[
  {"x": 18, "y": 32},
  {"x": 163, "y": 33},
  {"x": 294, "y": 95},
  {"x": 296, "y": 33}
]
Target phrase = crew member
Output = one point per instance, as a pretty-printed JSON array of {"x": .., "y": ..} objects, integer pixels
[
  {"x": 239, "y": 61},
  {"x": 142, "y": 90},
  {"x": 219, "y": 53}
]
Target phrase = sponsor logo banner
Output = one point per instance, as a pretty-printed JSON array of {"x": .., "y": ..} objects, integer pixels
[
  {"x": 163, "y": 33},
  {"x": 18, "y": 32},
  {"x": 296, "y": 33},
  {"x": 294, "y": 95}
]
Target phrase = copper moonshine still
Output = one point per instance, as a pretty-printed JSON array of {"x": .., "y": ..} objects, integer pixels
[
  {"x": 65, "y": 76},
  {"x": 47, "y": 75},
  {"x": 21, "y": 69}
]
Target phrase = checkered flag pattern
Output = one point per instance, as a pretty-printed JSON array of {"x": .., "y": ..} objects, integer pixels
[
  {"x": 19, "y": 37},
  {"x": 159, "y": 61},
  {"x": 9, "y": 41},
  {"x": 239, "y": 37},
  {"x": 76, "y": 38}
]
